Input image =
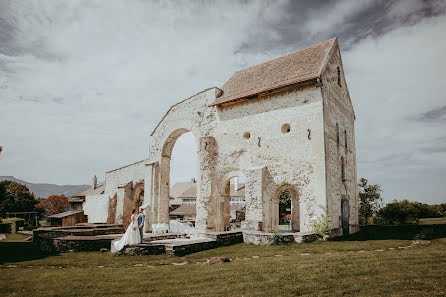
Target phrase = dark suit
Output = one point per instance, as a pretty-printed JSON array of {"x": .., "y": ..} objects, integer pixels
[{"x": 141, "y": 220}]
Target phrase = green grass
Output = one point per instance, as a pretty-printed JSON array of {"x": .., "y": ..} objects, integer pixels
[
  {"x": 330, "y": 269},
  {"x": 433, "y": 220},
  {"x": 15, "y": 237}
]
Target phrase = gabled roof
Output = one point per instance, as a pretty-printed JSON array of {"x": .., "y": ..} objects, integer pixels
[
  {"x": 179, "y": 188},
  {"x": 191, "y": 192},
  {"x": 90, "y": 191},
  {"x": 299, "y": 67}
]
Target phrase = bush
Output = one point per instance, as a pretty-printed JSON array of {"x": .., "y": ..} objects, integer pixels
[
  {"x": 321, "y": 226},
  {"x": 279, "y": 239},
  {"x": 407, "y": 212}
]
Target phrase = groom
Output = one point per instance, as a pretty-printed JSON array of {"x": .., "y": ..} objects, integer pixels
[{"x": 141, "y": 220}]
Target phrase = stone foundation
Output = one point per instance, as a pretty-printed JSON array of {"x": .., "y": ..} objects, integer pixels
[
  {"x": 180, "y": 246},
  {"x": 83, "y": 237},
  {"x": 256, "y": 237}
]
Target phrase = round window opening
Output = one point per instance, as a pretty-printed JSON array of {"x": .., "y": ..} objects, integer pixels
[
  {"x": 247, "y": 135},
  {"x": 286, "y": 128}
]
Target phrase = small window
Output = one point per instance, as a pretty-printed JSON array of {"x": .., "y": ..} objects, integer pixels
[
  {"x": 345, "y": 138},
  {"x": 286, "y": 128},
  {"x": 339, "y": 76},
  {"x": 342, "y": 169},
  {"x": 337, "y": 134}
]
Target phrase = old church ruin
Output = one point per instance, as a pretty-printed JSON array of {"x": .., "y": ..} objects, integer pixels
[{"x": 287, "y": 124}]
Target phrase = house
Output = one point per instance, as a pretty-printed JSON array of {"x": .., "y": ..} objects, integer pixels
[
  {"x": 68, "y": 218},
  {"x": 186, "y": 201}
]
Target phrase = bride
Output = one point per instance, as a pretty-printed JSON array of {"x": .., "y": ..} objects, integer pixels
[{"x": 131, "y": 236}]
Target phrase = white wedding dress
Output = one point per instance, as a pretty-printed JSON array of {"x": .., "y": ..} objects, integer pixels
[{"x": 131, "y": 236}]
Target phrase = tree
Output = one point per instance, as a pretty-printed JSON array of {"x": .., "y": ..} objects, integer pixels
[
  {"x": 407, "y": 212},
  {"x": 15, "y": 197},
  {"x": 55, "y": 204},
  {"x": 284, "y": 203},
  {"x": 370, "y": 200}
]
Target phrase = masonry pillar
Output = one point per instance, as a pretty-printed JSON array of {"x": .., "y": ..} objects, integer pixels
[
  {"x": 123, "y": 193},
  {"x": 148, "y": 196},
  {"x": 205, "y": 220},
  {"x": 254, "y": 195},
  {"x": 164, "y": 189}
]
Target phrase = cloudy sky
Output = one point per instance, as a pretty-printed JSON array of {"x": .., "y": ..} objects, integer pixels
[{"x": 83, "y": 83}]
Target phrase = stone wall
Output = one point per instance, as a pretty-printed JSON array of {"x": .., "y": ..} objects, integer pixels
[
  {"x": 275, "y": 140},
  {"x": 283, "y": 139},
  {"x": 130, "y": 173},
  {"x": 339, "y": 119},
  {"x": 119, "y": 185}
]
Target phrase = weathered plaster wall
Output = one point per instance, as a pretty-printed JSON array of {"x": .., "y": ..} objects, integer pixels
[
  {"x": 130, "y": 173},
  {"x": 96, "y": 208},
  {"x": 119, "y": 186},
  {"x": 338, "y": 112},
  {"x": 284, "y": 139},
  {"x": 271, "y": 157},
  {"x": 194, "y": 115}
]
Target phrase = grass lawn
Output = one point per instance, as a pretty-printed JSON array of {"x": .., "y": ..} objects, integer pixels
[
  {"x": 353, "y": 268},
  {"x": 433, "y": 220}
]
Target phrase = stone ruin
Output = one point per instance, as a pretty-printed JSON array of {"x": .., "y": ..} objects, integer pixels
[{"x": 287, "y": 124}]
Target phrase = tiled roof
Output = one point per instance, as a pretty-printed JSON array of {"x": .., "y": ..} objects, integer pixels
[
  {"x": 185, "y": 210},
  {"x": 66, "y": 214},
  {"x": 179, "y": 188},
  {"x": 191, "y": 191},
  {"x": 301, "y": 66},
  {"x": 191, "y": 210}
]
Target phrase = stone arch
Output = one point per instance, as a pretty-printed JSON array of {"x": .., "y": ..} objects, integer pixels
[
  {"x": 223, "y": 208},
  {"x": 138, "y": 195},
  {"x": 295, "y": 207},
  {"x": 195, "y": 115},
  {"x": 166, "y": 153}
]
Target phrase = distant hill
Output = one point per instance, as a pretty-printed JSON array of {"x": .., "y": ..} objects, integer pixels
[{"x": 45, "y": 190}]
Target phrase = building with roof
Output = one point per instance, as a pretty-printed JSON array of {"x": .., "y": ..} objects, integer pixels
[
  {"x": 68, "y": 218},
  {"x": 186, "y": 201},
  {"x": 283, "y": 125}
]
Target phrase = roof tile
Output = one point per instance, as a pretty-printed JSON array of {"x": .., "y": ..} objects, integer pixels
[{"x": 298, "y": 67}]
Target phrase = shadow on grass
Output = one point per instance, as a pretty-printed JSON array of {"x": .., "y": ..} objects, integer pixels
[
  {"x": 399, "y": 232},
  {"x": 19, "y": 252}
]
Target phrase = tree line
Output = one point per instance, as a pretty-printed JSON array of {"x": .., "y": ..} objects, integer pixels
[
  {"x": 15, "y": 197},
  {"x": 372, "y": 211}
]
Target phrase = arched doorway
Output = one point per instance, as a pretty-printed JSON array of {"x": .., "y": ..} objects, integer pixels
[
  {"x": 178, "y": 184},
  {"x": 133, "y": 199},
  {"x": 286, "y": 209},
  {"x": 230, "y": 205}
]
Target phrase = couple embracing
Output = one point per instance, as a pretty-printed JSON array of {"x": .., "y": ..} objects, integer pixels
[{"x": 133, "y": 234}]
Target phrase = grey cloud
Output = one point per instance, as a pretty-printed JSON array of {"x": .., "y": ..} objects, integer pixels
[
  {"x": 117, "y": 74},
  {"x": 395, "y": 158},
  {"x": 373, "y": 20},
  {"x": 435, "y": 149},
  {"x": 12, "y": 42},
  {"x": 433, "y": 115},
  {"x": 58, "y": 100}
]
